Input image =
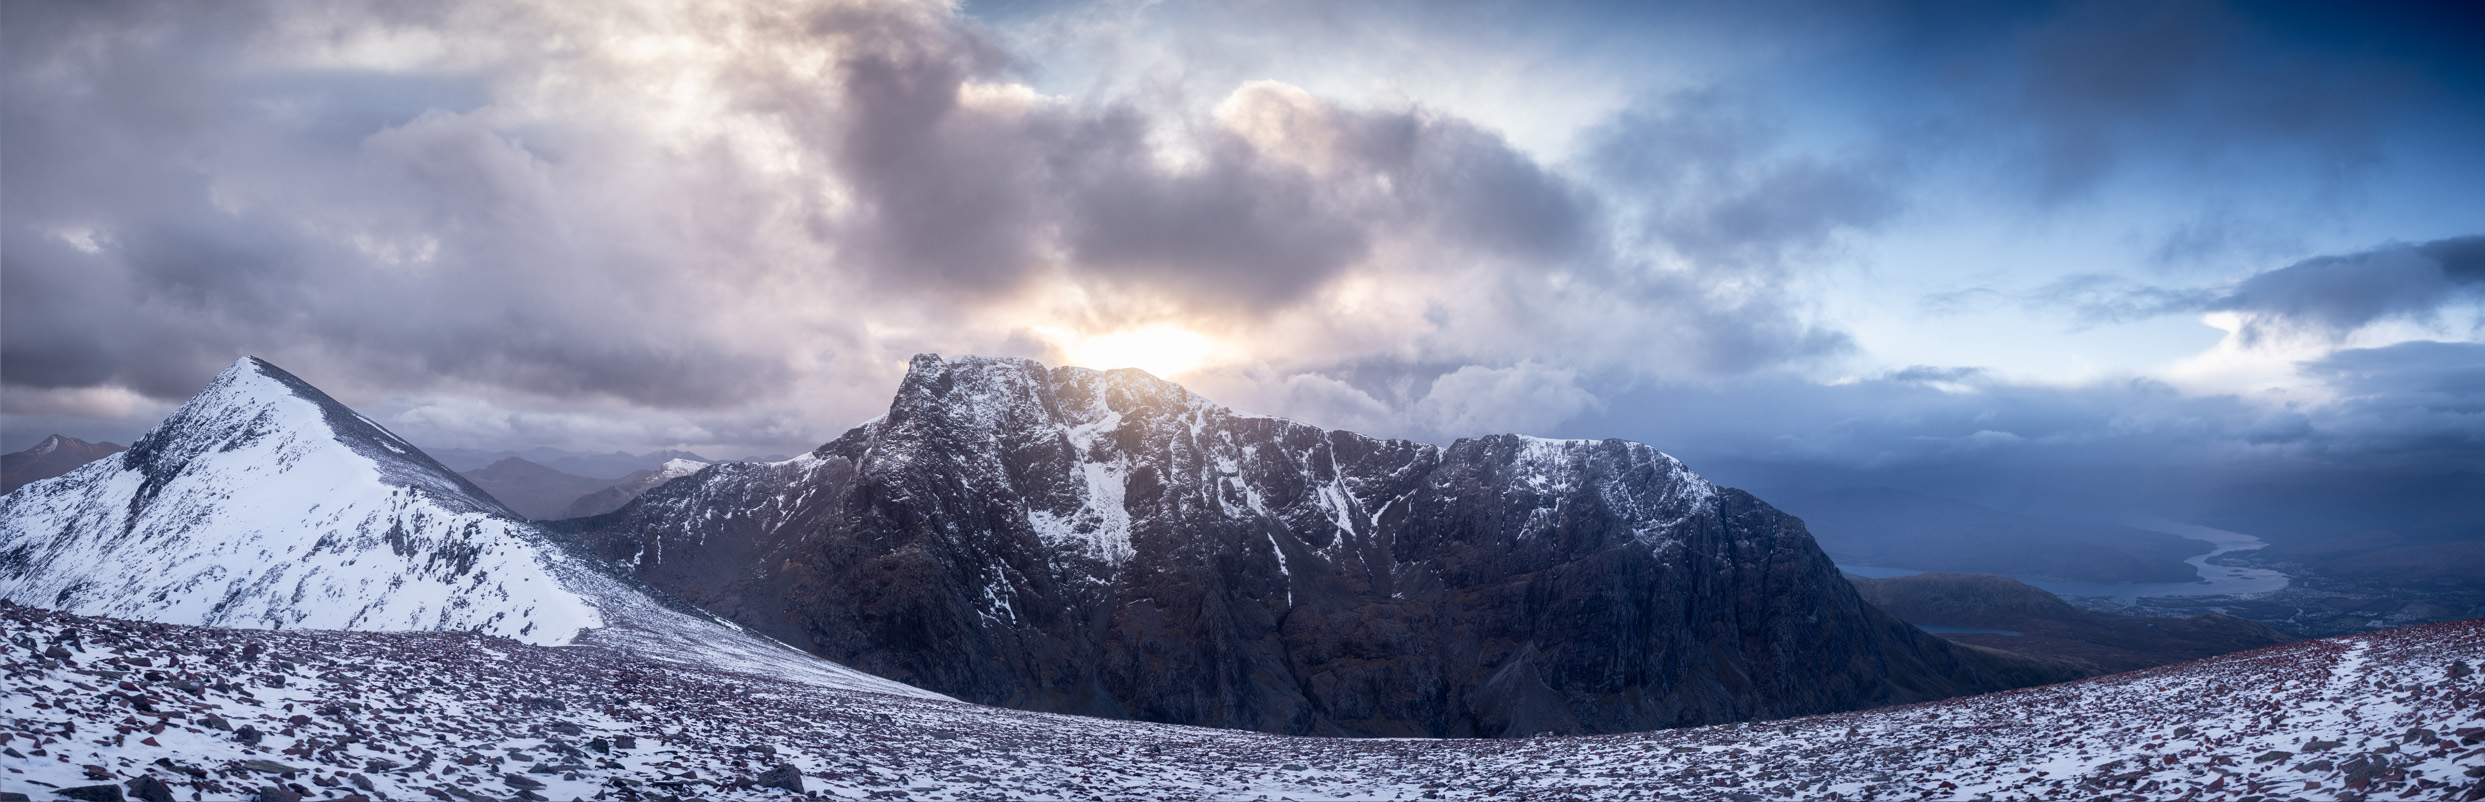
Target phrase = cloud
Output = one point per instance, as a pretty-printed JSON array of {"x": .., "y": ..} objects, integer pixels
[
  {"x": 717, "y": 216},
  {"x": 2184, "y": 86},
  {"x": 1701, "y": 175},
  {"x": 2101, "y": 299},
  {"x": 2328, "y": 296},
  {"x": 2413, "y": 401},
  {"x": 2092, "y": 450},
  {"x": 1526, "y": 398},
  {"x": 692, "y": 224},
  {"x": 2332, "y": 296}
]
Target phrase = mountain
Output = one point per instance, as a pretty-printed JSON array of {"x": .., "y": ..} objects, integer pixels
[
  {"x": 2383, "y": 716},
  {"x": 2042, "y": 625},
  {"x": 263, "y": 503},
  {"x": 612, "y": 497},
  {"x": 1107, "y": 543},
  {"x": 609, "y": 466},
  {"x": 533, "y": 490},
  {"x": 1893, "y": 528},
  {"x": 54, "y": 456}
]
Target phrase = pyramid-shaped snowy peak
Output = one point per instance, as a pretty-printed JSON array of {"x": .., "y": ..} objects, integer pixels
[{"x": 263, "y": 503}]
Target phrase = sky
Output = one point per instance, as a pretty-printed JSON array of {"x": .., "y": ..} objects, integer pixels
[{"x": 1992, "y": 250}]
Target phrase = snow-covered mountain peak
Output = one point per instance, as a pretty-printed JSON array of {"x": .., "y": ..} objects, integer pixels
[
  {"x": 258, "y": 406},
  {"x": 263, "y": 503}
]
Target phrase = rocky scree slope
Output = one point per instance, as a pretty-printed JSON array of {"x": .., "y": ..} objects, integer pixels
[
  {"x": 222, "y": 714},
  {"x": 263, "y": 503},
  {"x": 1107, "y": 543}
]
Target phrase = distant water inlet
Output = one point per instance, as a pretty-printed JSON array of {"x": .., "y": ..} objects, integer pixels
[
  {"x": 2215, "y": 580},
  {"x": 1944, "y": 629}
]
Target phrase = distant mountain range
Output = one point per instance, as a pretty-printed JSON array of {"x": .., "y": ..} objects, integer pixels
[
  {"x": 53, "y": 456},
  {"x": 608, "y": 466},
  {"x": 542, "y": 493}
]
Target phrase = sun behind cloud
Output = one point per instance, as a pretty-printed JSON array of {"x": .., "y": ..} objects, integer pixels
[{"x": 1162, "y": 349}]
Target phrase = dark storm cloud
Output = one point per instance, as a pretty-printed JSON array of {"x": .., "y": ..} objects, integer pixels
[
  {"x": 208, "y": 203},
  {"x": 2328, "y": 296},
  {"x": 407, "y": 201},
  {"x": 2185, "y": 84},
  {"x": 2334, "y": 295},
  {"x": 964, "y": 196}
]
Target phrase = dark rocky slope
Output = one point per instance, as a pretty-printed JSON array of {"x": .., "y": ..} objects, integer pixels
[{"x": 1109, "y": 544}]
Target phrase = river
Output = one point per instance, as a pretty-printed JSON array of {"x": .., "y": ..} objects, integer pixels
[{"x": 2215, "y": 580}]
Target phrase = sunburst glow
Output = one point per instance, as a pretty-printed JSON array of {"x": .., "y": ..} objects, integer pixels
[{"x": 1163, "y": 349}]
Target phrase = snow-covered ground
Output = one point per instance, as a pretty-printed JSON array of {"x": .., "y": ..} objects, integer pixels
[{"x": 460, "y": 716}]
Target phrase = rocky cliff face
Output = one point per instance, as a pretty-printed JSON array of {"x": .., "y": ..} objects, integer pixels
[{"x": 1108, "y": 543}]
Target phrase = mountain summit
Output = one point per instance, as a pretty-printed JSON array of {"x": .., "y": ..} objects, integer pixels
[
  {"x": 1108, "y": 543},
  {"x": 263, "y": 503},
  {"x": 54, "y": 456}
]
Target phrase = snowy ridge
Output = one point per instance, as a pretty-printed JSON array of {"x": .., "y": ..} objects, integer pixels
[
  {"x": 262, "y": 503},
  {"x": 2385, "y": 716},
  {"x": 247, "y": 508},
  {"x": 1098, "y": 411}
]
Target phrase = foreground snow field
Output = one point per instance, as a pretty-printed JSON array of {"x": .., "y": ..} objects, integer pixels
[{"x": 459, "y": 716}]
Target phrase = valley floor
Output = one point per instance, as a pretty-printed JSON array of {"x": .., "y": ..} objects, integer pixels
[{"x": 416, "y": 716}]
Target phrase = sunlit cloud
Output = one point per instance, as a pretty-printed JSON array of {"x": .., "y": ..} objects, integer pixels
[
  {"x": 1166, "y": 350},
  {"x": 639, "y": 225}
]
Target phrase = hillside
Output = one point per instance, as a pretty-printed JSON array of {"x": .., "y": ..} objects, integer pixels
[
  {"x": 2385, "y": 715},
  {"x": 2049, "y": 628}
]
